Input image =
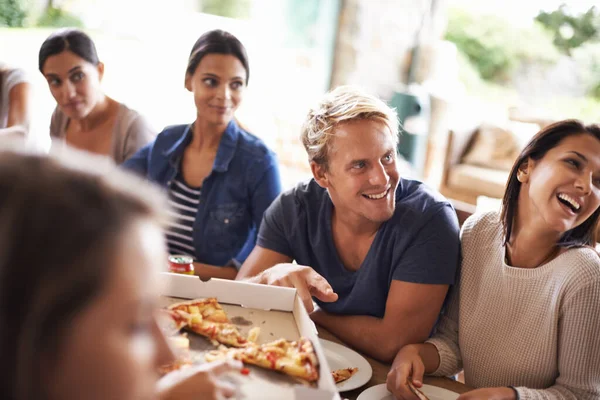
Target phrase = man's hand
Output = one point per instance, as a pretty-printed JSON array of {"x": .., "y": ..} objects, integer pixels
[
  {"x": 306, "y": 281},
  {"x": 199, "y": 382},
  {"x": 497, "y": 393}
]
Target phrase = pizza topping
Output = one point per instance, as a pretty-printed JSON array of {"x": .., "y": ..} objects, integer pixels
[
  {"x": 253, "y": 334},
  {"x": 272, "y": 357}
]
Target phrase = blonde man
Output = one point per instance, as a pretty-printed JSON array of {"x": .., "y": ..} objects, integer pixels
[{"x": 377, "y": 252}]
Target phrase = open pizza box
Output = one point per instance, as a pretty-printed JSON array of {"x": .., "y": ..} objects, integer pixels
[{"x": 278, "y": 312}]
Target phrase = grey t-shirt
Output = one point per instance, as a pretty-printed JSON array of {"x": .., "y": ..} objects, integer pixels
[
  {"x": 9, "y": 78},
  {"x": 419, "y": 244},
  {"x": 131, "y": 132}
]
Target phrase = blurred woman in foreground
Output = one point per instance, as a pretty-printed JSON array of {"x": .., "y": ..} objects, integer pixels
[{"x": 79, "y": 286}]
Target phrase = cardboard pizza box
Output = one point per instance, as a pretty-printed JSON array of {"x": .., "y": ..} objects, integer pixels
[{"x": 278, "y": 312}]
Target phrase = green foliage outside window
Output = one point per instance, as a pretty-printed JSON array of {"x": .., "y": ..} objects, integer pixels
[
  {"x": 579, "y": 37},
  {"x": 56, "y": 18},
  {"x": 226, "y": 8},
  {"x": 587, "y": 57},
  {"x": 495, "y": 47},
  {"x": 571, "y": 31},
  {"x": 12, "y": 13}
]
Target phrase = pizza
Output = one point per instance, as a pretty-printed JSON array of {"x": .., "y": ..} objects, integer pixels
[
  {"x": 206, "y": 317},
  {"x": 294, "y": 358},
  {"x": 208, "y": 308},
  {"x": 171, "y": 322},
  {"x": 416, "y": 391},
  {"x": 341, "y": 375}
]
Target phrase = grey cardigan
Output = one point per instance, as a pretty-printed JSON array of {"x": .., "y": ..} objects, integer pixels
[{"x": 130, "y": 132}]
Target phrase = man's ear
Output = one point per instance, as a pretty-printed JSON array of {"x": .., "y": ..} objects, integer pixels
[
  {"x": 319, "y": 172},
  {"x": 100, "y": 68},
  {"x": 188, "y": 82}
]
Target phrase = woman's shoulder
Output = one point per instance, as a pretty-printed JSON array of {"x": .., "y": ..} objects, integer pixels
[
  {"x": 252, "y": 145},
  {"x": 483, "y": 224},
  {"x": 172, "y": 132},
  {"x": 581, "y": 265},
  {"x": 13, "y": 76},
  {"x": 127, "y": 117}
]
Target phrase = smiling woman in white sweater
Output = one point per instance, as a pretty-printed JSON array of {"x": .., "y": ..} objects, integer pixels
[{"x": 524, "y": 321}]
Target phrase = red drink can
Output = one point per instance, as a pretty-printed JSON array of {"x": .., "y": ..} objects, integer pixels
[{"x": 181, "y": 264}]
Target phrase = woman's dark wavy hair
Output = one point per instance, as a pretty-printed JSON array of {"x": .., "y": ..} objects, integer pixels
[
  {"x": 70, "y": 39},
  {"x": 536, "y": 149},
  {"x": 217, "y": 42},
  {"x": 60, "y": 229}
]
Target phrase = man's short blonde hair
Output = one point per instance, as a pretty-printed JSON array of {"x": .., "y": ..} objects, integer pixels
[{"x": 343, "y": 104}]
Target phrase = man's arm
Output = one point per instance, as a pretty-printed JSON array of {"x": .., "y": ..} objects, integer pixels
[
  {"x": 19, "y": 109},
  {"x": 259, "y": 260},
  {"x": 206, "y": 271},
  {"x": 410, "y": 312}
]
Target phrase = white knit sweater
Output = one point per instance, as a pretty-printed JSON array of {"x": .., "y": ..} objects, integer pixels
[{"x": 535, "y": 329}]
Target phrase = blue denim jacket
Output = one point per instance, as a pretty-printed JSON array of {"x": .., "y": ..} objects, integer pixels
[{"x": 243, "y": 183}]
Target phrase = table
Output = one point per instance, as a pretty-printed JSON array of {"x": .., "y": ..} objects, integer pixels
[{"x": 380, "y": 371}]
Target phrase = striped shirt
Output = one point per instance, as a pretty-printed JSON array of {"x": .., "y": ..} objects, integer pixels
[{"x": 184, "y": 201}]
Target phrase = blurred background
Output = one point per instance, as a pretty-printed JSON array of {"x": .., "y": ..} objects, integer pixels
[{"x": 471, "y": 80}]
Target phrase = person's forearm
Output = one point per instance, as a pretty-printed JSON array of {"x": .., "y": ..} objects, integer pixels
[
  {"x": 206, "y": 271},
  {"x": 368, "y": 334}
]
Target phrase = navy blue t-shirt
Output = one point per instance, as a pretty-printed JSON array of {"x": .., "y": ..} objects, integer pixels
[{"x": 419, "y": 244}]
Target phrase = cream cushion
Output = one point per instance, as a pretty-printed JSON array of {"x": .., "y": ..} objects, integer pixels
[
  {"x": 497, "y": 147},
  {"x": 485, "y": 181}
]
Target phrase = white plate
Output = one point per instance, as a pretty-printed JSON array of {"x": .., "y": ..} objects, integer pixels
[
  {"x": 339, "y": 357},
  {"x": 380, "y": 392}
]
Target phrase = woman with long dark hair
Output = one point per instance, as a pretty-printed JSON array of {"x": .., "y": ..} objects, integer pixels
[
  {"x": 85, "y": 117},
  {"x": 220, "y": 178},
  {"x": 524, "y": 320}
]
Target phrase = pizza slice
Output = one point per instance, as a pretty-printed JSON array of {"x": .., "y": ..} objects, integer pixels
[
  {"x": 208, "y": 308},
  {"x": 171, "y": 321},
  {"x": 206, "y": 317},
  {"x": 295, "y": 358},
  {"x": 341, "y": 375},
  {"x": 416, "y": 391}
]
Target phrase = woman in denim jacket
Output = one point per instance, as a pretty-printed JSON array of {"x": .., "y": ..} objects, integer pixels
[{"x": 220, "y": 178}]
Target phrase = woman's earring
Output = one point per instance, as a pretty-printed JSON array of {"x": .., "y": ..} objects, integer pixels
[{"x": 521, "y": 176}]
